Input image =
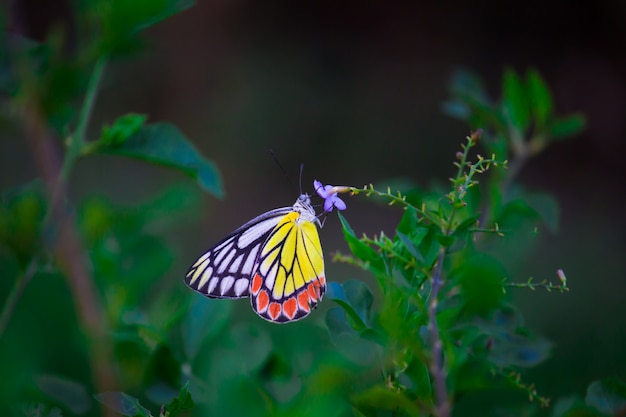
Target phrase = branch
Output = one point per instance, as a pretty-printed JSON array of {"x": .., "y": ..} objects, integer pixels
[{"x": 67, "y": 248}]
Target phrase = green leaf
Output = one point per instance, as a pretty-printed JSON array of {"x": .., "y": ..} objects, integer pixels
[
  {"x": 352, "y": 344},
  {"x": 409, "y": 221},
  {"x": 181, "y": 403},
  {"x": 358, "y": 248},
  {"x": 540, "y": 99},
  {"x": 205, "y": 319},
  {"x": 481, "y": 278},
  {"x": 123, "y": 404},
  {"x": 355, "y": 298},
  {"x": 546, "y": 207},
  {"x": 123, "y": 128},
  {"x": 515, "y": 102},
  {"x": 565, "y": 127},
  {"x": 164, "y": 144},
  {"x": 608, "y": 396},
  {"x": 412, "y": 244},
  {"x": 120, "y": 21}
]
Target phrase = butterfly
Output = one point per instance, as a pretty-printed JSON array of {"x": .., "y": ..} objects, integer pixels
[{"x": 274, "y": 259}]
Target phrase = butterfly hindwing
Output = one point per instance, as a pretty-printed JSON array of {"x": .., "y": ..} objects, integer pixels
[
  {"x": 276, "y": 259},
  {"x": 289, "y": 281}
]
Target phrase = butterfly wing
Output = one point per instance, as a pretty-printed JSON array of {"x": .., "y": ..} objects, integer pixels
[
  {"x": 225, "y": 270},
  {"x": 289, "y": 280}
]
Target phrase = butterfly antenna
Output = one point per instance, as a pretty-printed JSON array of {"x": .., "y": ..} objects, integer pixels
[
  {"x": 300, "y": 179},
  {"x": 275, "y": 158}
]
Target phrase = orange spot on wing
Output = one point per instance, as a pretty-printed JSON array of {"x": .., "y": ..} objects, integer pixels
[
  {"x": 274, "y": 310},
  {"x": 262, "y": 301},
  {"x": 256, "y": 284},
  {"x": 322, "y": 280},
  {"x": 290, "y": 307},
  {"x": 312, "y": 292},
  {"x": 303, "y": 301}
]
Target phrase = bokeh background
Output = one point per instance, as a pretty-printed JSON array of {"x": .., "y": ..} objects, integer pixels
[{"x": 354, "y": 91}]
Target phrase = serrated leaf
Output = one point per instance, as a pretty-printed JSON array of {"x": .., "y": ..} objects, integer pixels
[
  {"x": 164, "y": 144},
  {"x": 515, "y": 101},
  {"x": 123, "y": 403},
  {"x": 608, "y": 396}
]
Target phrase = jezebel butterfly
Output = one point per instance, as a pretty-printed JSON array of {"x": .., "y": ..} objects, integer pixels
[{"x": 274, "y": 259}]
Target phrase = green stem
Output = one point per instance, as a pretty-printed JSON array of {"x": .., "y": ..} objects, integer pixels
[{"x": 77, "y": 140}]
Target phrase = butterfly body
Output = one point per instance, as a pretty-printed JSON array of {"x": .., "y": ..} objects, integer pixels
[{"x": 275, "y": 259}]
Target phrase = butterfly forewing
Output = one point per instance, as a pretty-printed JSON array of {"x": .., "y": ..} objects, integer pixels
[{"x": 225, "y": 270}]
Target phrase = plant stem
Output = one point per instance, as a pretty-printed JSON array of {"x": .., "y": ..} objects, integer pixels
[
  {"x": 67, "y": 246},
  {"x": 77, "y": 140},
  {"x": 436, "y": 364}
]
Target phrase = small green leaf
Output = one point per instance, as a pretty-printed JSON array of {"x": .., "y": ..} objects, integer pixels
[
  {"x": 360, "y": 249},
  {"x": 567, "y": 126},
  {"x": 123, "y": 128},
  {"x": 515, "y": 101},
  {"x": 608, "y": 396},
  {"x": 164, "y": 144},
  {"x": 411, "y": 245},
  {"x": 540, "y": 99},
  {"x": 123, "y": 404},
  {"x": 181, "y": 403}
]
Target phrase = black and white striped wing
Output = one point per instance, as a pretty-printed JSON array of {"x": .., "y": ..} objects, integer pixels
[{"x": 226, "y": 269}]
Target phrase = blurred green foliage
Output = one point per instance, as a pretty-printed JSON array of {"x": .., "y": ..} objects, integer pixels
[{"x": 437, "y": 336}]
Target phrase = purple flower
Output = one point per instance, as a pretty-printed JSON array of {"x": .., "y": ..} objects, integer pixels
[{"x": 329, "y": 194}]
